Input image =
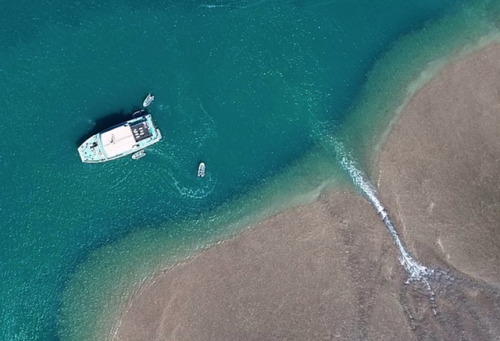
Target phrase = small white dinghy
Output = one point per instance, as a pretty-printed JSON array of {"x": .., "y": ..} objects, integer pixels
[
  {"x": 138, "y": 155},
  {"x": 201, "y": 170},
  {"x": 148, "y": 100}
]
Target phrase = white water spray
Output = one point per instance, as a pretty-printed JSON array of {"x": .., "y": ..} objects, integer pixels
[{"x": 415, "y": 270}]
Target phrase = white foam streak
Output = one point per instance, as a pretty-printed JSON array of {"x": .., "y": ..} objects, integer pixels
[{"x": 415, "y": 270}]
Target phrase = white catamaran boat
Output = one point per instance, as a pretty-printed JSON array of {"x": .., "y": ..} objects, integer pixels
[{"x": 130, "y": 137}]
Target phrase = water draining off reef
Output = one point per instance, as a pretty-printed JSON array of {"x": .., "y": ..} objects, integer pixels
[{"x": 416, "y": 271}]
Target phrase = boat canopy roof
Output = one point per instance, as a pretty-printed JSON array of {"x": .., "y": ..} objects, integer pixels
[
  {"x": 118, "y": 140},
  {"x": 140, "y": 130}
]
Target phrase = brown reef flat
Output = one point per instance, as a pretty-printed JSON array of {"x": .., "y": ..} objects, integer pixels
[{"x": 329, "y": 270}]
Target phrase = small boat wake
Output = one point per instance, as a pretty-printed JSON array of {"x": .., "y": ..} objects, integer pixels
[
  {"x": 233, "y": 4},
  {"x": 195, "y": 191},
  {"x": 190, "y": 182}
]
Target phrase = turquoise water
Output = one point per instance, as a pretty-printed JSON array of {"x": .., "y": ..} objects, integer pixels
[{"x": 249, "y": 87}]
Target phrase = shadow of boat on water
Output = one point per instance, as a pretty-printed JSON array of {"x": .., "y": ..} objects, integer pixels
[{"x": 105, "y": 122}]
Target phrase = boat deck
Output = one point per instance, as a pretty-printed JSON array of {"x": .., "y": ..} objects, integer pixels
[
  {"x": 120, "y": 140},
  {"x": 90, "y": 150}
]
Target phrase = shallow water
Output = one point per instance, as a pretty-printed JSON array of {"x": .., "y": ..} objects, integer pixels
[{"x": 249, "y": 87}]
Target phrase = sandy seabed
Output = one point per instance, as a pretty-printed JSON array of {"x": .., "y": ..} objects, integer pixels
[{"x": 330, "y": 271}]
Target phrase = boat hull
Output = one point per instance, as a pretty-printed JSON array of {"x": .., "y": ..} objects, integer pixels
[
  {"x": 119, "y": 141},
  {"x": 201, "y": 170}
]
